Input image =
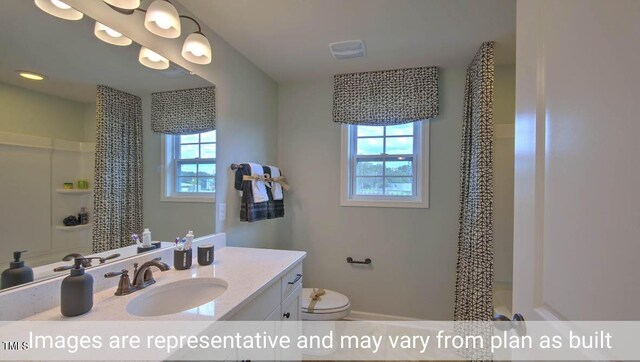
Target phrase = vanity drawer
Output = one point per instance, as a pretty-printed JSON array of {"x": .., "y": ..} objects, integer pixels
[
  {"x": 292, "y": 306},
  {"x": 291, "y": 280}
]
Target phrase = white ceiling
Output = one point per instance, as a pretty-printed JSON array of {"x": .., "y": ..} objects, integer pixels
[
  {"x": 288, "y": 39},
  {"x": 72, "y": 58}
]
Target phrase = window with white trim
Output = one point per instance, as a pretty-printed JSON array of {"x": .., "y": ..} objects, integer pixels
[
  {"x": 190, "y": 167},
  {"x": 385, "y": 166}
]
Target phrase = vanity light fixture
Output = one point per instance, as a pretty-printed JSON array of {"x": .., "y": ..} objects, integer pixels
[
  {"x": 162, "y": 19},
  {"x": 108, "y": 35},
  {"x": 152, "y": 60},
  {"x": 30, "y": 75},
  {"x": 59, "y": 9},
  {"x": 196, "y": 47},
  {"x": 124, "y": 4}
]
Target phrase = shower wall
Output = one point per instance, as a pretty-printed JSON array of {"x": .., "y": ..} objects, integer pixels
[
  {"x": 33, "y": 207},
  {"x": 42, "y": 146}
]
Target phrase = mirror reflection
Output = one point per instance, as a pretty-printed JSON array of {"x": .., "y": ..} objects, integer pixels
[{"x": 82, "y": 170}]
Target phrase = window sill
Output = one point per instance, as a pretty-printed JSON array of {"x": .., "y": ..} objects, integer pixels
[
  {"x": 410, "y": 204},
  {"x": 174, "y": 198}
]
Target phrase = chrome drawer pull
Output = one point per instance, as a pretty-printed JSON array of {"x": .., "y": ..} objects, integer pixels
[{"x": 298, "y": 276}]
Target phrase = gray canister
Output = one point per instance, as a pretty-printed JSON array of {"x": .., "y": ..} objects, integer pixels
[
  {"x": 205, "y": 254},
  {"x": 182, "y": 259}
]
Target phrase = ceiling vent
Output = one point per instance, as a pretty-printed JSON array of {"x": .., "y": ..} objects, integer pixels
[{"x": 348, "y": 49}]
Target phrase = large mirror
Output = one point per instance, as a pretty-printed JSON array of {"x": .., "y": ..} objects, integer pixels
[{"x": 58, "y": 179}]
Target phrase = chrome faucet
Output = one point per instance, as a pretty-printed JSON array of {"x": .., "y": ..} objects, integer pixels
[{"x": 142, "y": 276}]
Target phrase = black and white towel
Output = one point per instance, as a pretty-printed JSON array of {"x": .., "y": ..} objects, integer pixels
[
  {"x": 276, "y": 196},
  {"x": 251, "y": 209}
]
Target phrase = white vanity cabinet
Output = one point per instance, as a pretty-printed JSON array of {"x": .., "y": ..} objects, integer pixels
[
  {"x": 292, "y": 306},
  {"x": 281, "y": 300}
]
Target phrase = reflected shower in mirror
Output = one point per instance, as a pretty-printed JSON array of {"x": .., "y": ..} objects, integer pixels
[{"x": 82, "y": 169}]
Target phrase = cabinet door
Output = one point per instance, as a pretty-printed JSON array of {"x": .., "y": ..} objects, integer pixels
[
  {"x": 276, "y": 315},
  {"x": 270, "y": 328},
  {"x": 292, "y": 306}
]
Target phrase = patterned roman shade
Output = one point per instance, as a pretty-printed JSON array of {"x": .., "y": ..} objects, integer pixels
[
  {"x": 184, "y": 111},
  {"x": 387, "y": 97}
]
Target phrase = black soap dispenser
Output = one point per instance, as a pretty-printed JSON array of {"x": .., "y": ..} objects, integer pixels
[
  {"x": 76, "y": 292},
  {"x": 18, "y": 273}
]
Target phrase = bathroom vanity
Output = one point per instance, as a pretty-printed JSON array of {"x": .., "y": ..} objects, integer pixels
[
  {"x": 243, "y": 284},
  {"x": 252, "y": 285}
]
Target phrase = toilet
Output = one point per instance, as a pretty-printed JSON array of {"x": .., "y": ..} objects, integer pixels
[{"x": 330, "y": 306}]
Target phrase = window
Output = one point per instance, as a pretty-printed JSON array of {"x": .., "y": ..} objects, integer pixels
[
  {"x": 190, "y": 167},
  {"x": 385, "y": 166}
]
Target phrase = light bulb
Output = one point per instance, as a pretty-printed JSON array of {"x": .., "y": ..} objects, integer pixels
[
  {"x": 108, "y": 35},
  {"x": 153, "y": 60},
  {"x": 163, "y": 22},
  {"x": 59, "y": 4},
  {"x": 153, "y": 56},
  {"x": 197, "y": 49},
  {"x": 58, "y": 9},
  {"x": 112, "y": 32},
  {"x": 162, "y": 19}
]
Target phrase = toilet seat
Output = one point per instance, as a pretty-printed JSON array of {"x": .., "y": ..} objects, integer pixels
[{"x": 330, "y": 306}]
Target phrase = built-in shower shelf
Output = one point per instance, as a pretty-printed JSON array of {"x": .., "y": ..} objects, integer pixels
[
  {"x": 74, "y": 228},
  {"x": 74, "y": 191}
]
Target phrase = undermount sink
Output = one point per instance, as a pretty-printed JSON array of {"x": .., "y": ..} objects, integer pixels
[{"x": 176, "y": 297}]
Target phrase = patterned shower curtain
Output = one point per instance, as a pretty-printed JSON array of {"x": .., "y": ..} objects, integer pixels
[
  {"x": 117, "y": 200},
  {"x": 474, "y": 280}
]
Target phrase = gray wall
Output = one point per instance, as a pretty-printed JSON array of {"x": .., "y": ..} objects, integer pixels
[
  {"x": 413, "y": 250},
  {"x": 247, "y": 131},
  {"x": 503, "y": 150},
  {"x": 29, "y": 112},
  {"x": 167, "y": 220}
]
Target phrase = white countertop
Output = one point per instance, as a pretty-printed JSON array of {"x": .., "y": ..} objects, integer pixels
[{"x": 247, "y": 271}]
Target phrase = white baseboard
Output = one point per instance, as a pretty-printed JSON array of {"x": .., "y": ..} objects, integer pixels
[{"x": 366, "y": 316}]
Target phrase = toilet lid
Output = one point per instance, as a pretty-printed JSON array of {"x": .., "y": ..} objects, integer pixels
[{"x": 330, "y": 301}]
